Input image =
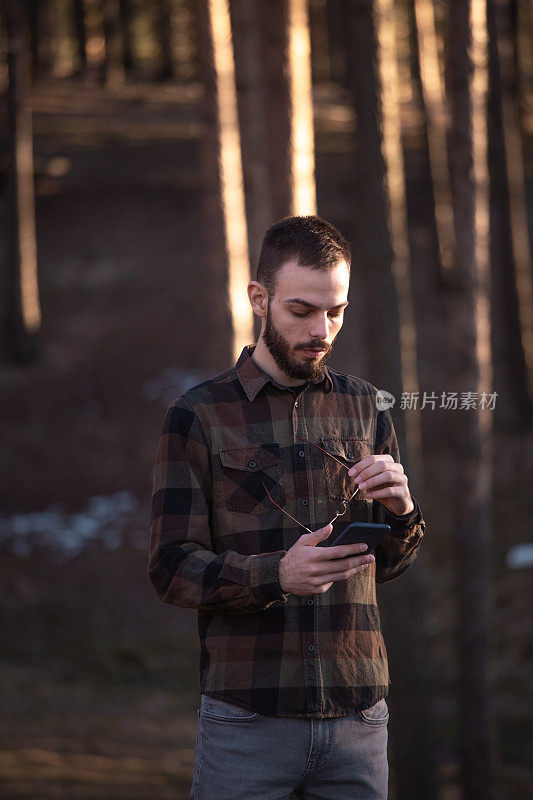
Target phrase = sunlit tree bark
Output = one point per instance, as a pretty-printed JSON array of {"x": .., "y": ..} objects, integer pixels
[
  {"x": 436, "y": 122},
  {"x": 23, "y": 313},
  {"x": 386, "y": 31},
  {"x": 470, "y": 367},
  {"x": 225, "y": 216}
]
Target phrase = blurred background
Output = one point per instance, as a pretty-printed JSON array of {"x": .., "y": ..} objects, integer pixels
[{"x": 146, "y": 145}]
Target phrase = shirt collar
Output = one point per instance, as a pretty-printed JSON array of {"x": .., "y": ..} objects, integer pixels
[{"x": 253, "y": 378}]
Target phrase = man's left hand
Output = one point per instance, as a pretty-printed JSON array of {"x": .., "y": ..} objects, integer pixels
[{"x": 381, "y": 478}]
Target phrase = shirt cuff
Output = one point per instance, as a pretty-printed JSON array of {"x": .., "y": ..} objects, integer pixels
[
  {"x": 264, "y": 575},
  {"x": 403, "y": 523}
]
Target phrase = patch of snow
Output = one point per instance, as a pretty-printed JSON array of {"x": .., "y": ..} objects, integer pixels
[
  {"x": 104, "y": 518},
  {"x": 520, "y": 556}
]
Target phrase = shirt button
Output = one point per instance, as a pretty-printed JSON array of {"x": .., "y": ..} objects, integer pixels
[
  {"x": 301, "y": 454},
  {"x": 305, "y": 502},
  {"x": 311, "y": 648},
  {"x": 296, "y": 404},
  {"x": 252, "y": 464},
  {"x": 310, "y": 602},
  {"x": 349, "y": 455}
]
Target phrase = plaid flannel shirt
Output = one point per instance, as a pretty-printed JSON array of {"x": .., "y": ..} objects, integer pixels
[{"x": 216, "y": 539}]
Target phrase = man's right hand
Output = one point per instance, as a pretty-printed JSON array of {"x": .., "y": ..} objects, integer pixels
[{"x": 307, "y": 569}]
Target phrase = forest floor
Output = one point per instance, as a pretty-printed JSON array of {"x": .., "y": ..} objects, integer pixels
[{"x": 99, "y": 679}]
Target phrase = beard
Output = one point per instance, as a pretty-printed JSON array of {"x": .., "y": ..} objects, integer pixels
[{"x": 282, "y": 353}]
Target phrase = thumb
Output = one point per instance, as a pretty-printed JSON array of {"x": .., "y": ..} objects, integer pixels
[{"x": 317, "y": 536}]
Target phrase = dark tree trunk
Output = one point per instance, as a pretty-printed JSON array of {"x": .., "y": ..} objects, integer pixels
[
  {"x": 403, "y": 604},
  {"x": 274, "y": 23},
  {"x": 164, "y": 39},
  {"x": 78, "y": 11},
  {"x": 469, "y": 342},
  {"x": 22, "y": 314},
  {"x": 114, "y": 57},
  {"x": 372, "y": 247},
  {"x": 252, "y": 116},
  {"x": 125, "y": 13},
  {"x": 336, "y": 14},
  {"x": 42, "y": 25},
  {"x": 509, "y": 363}
]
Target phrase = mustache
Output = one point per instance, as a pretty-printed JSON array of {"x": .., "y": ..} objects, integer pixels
[{"x": 316, "y": 344}]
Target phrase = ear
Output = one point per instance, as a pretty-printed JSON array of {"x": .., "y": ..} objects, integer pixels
[{"x": 258, "y": 297}]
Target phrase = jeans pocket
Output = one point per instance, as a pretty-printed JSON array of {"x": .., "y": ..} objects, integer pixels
[
  {"x": 220, "y": 710},
  {"x": 378, "y": 714}
]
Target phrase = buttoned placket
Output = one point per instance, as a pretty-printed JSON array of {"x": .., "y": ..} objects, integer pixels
[{"x": 306, "y": 514}]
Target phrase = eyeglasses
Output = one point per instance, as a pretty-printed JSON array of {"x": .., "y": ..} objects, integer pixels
[{"x": 345, "y": 503}]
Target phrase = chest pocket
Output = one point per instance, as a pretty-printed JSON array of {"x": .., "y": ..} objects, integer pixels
[
  {"x": 245, "y": 470},
  {"x": 348, "y": 451}
]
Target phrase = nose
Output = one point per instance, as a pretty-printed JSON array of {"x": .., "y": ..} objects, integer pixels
[{"x": 319, "y": 327}]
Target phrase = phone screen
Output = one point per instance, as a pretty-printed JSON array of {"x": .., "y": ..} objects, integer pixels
[{"x": 369, "y": 533}]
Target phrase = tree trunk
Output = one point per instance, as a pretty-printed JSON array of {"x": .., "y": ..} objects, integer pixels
[
  {"x": 164, "y": 38},
  {"x": 78, "y": 11},
  {"x": 336, "y": 15},
  {"x": 372, "y": 246},
  {"x": 114, "y": 56},
  {"x": 226, "y": 254},
  {"x": 512, "y": 300},
  {"x": 436, "y": 121},
  {"x": 470, "y": 371},
  {"x": 378, "y": 133},
  {"x": 125, "y": 13},
  {"x": 42, "y": 24},
  {"x": 22, "y": 312},
  {"x": 245, "y": 17}
]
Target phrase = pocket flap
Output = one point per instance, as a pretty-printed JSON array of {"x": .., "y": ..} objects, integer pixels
[
  {"x": 353, "y": 449},
  {"x": 251, "y": 459}
]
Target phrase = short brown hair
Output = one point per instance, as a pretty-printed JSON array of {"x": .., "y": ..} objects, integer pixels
[{"x": 311, "y": 240}]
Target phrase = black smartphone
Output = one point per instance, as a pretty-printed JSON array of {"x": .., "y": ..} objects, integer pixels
[{"x": 370, "y": 533}]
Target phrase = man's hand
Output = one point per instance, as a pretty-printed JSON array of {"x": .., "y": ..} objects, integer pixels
[
  {"x": 382, "y": 478},
  {"x": 307, "y": 569}
]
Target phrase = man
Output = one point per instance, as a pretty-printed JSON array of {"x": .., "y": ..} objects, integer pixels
[{"x": 252, "y": 468}]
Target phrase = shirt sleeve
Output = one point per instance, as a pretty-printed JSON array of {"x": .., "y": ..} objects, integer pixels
[
  {"x": 399, "y": 549},
  {"x": 182, "y": 566}
]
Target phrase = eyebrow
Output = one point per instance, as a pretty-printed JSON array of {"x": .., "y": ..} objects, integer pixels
[{"x": 310, "y": 305}]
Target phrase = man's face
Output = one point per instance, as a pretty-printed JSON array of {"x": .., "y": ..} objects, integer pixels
[{"x": 304, "y": 317}]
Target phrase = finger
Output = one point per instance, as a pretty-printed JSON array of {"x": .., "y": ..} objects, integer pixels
[
  {"x": 392, "y": 491},
  {"x": 388, "y": 476},
  {"x": 367, "y": 462},
  {"x": 363, "y": 464},
  {"x": 312, "y": 539},
  {"x": 341, "y": 565},
  {"x": 342, "y": 575},
  {"x": 339, "y": 551},
  {"x": 376, "y": 468}
]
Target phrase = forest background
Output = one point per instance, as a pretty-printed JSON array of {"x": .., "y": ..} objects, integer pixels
[{"x": 145, "y": 147}]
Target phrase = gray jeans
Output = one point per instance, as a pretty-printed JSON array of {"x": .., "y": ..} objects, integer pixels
[{"x": 241, "y": 755}]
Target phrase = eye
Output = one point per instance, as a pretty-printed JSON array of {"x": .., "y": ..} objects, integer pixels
[
  {"x": 305, "y": 314},
  {"x": 335, "y": 314}
]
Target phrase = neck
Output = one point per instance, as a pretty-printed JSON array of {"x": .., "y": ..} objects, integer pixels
[{"x": 263, "y": 358}]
